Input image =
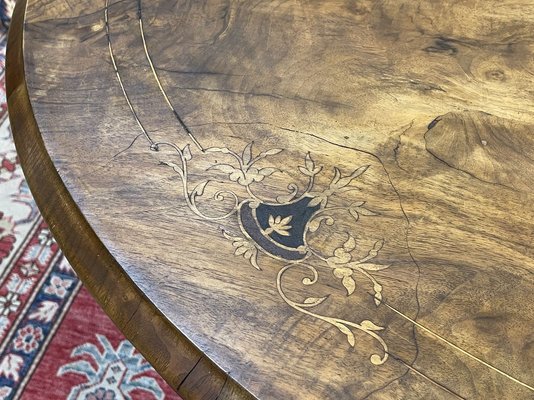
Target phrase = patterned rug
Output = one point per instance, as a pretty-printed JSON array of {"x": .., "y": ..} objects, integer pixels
[{"x": 55, "y": 341}]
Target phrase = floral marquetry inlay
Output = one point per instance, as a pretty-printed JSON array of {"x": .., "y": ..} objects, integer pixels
[{"x": 281, "y": 229}]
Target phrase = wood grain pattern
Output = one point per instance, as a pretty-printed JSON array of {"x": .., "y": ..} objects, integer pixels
[{"x": 400, "y": 267}]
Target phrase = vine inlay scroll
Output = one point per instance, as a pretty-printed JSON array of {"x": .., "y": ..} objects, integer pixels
[{"x": 280, "y": 228}]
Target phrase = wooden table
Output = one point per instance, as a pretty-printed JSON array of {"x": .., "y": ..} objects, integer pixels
[{"x": 293, "y": 199}]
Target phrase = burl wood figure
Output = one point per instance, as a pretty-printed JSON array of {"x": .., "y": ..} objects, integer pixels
[{"x": 293, "y": 199}]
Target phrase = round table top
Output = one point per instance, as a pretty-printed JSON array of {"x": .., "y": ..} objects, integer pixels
[{"x": 293, "y": 199}]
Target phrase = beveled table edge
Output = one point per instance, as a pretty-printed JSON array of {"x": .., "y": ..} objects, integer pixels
[{"x": 176, "y": 359}]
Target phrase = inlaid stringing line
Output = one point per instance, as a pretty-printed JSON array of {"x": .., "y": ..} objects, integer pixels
[
  {"x": 112, "y": 55},
  {"x": 441, "y": 338},
  {"x": 156, "y": 77}
]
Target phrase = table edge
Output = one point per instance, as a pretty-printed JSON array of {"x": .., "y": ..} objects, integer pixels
[{"x": 181, "y": 364}]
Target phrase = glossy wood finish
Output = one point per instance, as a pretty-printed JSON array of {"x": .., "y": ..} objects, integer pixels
[{"x": 404, "y": 271}]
